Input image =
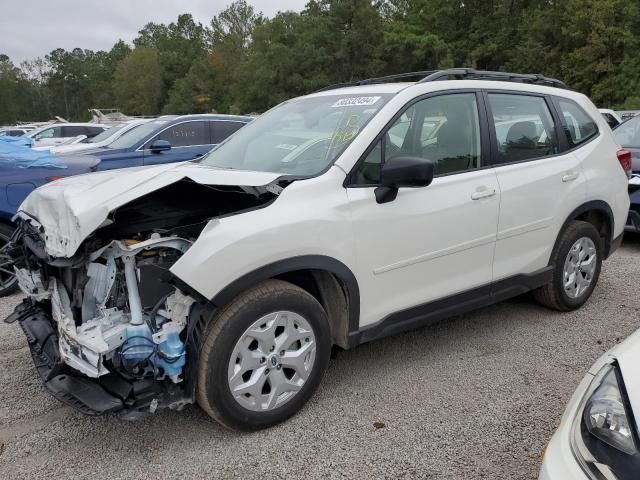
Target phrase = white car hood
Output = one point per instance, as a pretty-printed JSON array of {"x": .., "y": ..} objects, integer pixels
[{"x": 69, "y": 210}]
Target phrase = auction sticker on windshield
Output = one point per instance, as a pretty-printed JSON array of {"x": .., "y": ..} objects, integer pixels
[{"x": 355, "y": 102}]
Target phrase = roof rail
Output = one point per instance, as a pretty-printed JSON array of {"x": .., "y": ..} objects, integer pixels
[
  {"x": 377, "y": 80},
  {"x": 472, "y": 74},
  {"x": 455, "y": 74}
]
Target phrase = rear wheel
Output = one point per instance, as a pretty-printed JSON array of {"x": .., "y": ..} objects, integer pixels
[
  {"x": 263, "y": 356},
  {"x": 577, "y": 262},
  {"x": 8, "y": 282}
]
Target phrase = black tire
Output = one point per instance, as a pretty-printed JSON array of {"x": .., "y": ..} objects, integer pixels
[
  {"x": 213, "y": 392},
  {"x": 553, "y": 295},
  {"x": 8, "y": 283}
]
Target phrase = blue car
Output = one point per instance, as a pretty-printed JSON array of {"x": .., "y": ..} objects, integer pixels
[
  {"x": 167, "y": 139},
  {"x": 628, "y": 136},
  {"x": 164, "y": 140}
]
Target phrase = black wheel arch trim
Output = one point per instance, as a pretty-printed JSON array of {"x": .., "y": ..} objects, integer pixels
[
  {"x": 303, "y": 262},
  {"x": 598, "y": 205}
]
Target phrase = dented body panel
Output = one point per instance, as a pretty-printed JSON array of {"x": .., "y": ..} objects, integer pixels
[{"x": 69, "y": 210}]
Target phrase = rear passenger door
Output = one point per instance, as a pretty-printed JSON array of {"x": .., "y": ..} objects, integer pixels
[
  {"x": 189, "y": 140},
  {"x": 540, "y": 178}
]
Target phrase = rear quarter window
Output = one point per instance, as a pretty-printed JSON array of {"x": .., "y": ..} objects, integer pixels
[
  {"x": 578, "y": 125},
  {"x": 222, "y": 130}
]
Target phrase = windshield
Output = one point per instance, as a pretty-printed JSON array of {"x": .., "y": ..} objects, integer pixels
[
  {"x": 134, "y": 136},
  {"x": 301, "y": 137},
  {"x": 109, "y": 132},
  {"x": 628, "y": 133}
]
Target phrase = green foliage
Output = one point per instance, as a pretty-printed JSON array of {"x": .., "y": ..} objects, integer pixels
[
  {"x": 138, "y": 82},
  {"x": 243, "y": 62}
]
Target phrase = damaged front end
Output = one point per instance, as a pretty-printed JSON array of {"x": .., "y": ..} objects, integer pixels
[{"x": 110, "y": 328}]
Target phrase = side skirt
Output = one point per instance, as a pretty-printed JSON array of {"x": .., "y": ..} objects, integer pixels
[{"x": 457, "y": 304}]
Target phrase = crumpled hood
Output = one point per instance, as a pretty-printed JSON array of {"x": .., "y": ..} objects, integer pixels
[{"x": 72, "y": 208}]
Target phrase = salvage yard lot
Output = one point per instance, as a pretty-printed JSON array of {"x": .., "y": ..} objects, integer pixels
[{"x": 476, "y": 396}]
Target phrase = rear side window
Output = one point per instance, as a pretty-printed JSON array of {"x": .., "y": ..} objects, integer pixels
[
  {"x": 524, "y": 127},
  {"x": 73, "y": 131},
  {"x": 91, "y": 132},
  {"x": 222, "y": 130},
  {"x": 186, "y": 134},
  {"x": 579, "y": 126}
]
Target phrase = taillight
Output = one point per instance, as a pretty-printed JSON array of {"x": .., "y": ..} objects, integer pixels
[
  {"x": 53, "y": 179},
  {"x": 624, "y": 157}
]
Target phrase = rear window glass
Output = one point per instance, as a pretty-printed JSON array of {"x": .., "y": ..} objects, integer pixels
[{"x": 579, "y": 126}]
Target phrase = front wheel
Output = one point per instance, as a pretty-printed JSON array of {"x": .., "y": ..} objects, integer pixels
[
  {"x": 8, "y": 281},
  {"x": 577, "y": 260},
  {"x": 263, "y": 356}
]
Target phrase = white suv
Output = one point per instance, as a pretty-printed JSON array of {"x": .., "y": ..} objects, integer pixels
[{"x": 333, "y": 219}]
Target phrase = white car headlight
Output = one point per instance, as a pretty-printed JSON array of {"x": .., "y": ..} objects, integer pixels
[{"x": 605, "y": 414}]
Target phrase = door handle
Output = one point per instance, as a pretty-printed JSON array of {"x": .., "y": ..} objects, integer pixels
[
  {"x": 570, "y": 176},
  {"x": 483, "y": 192}
]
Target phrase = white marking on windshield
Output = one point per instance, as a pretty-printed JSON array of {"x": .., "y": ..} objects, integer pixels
[{"x": 355, "y": 102}]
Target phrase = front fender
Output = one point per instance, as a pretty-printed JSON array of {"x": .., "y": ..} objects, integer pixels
[{"x": 310, "y": 218}]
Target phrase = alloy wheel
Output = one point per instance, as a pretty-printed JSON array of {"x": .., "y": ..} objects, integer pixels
[
  {"x": 272, "y": 361},
  {"x": 579, "y": 267}
]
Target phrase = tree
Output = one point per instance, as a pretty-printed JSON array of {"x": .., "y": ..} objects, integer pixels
[{"x": 138, "y": 83}]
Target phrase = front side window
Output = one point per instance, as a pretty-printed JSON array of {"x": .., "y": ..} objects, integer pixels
[
  {"x": 186, "y": 134},
  {"x": 54, "y": 132},
  {"x": 443, "y": 129},
  {"x": 628, "y": 133},
  {"x": 135, "y": 136},
  {"x": 579, "y": 127},
  {"x": 300, "y": 137},
  {"x": 524, "y": 127}
]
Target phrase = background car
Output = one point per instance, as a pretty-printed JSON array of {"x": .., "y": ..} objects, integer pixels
[
  {"x": 628, "y": 136},
  {"x": 101, "y": 140},
  {"x": 13, "y": 131},
  {"x": 598, "y": 434},
  {"x": 15, "y": 184},
  {"x": 612, "y": 118},
  {"x": 167, "y": 139},
  {"x": 56, "y": 134}
]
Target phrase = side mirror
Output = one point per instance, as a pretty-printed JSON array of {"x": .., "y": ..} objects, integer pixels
[
  {"x": 400, "y": 172},
  {"x": 160, "y": 146}
]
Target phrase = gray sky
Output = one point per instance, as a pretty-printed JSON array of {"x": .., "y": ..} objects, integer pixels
[{"x": 32, "y": 28}]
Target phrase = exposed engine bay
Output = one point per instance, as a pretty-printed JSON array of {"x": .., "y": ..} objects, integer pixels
[{"x": 111, "y": 329}]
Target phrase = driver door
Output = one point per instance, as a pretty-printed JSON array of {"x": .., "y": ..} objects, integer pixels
[
  {"x": 431, "y": 242},
  {"x": 189, "y": 140}
]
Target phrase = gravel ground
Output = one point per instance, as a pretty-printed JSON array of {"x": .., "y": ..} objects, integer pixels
[{"x": 477, "y": 396}]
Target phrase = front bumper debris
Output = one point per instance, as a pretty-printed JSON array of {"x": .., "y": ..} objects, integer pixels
[{"x": 110, "y": 393}]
